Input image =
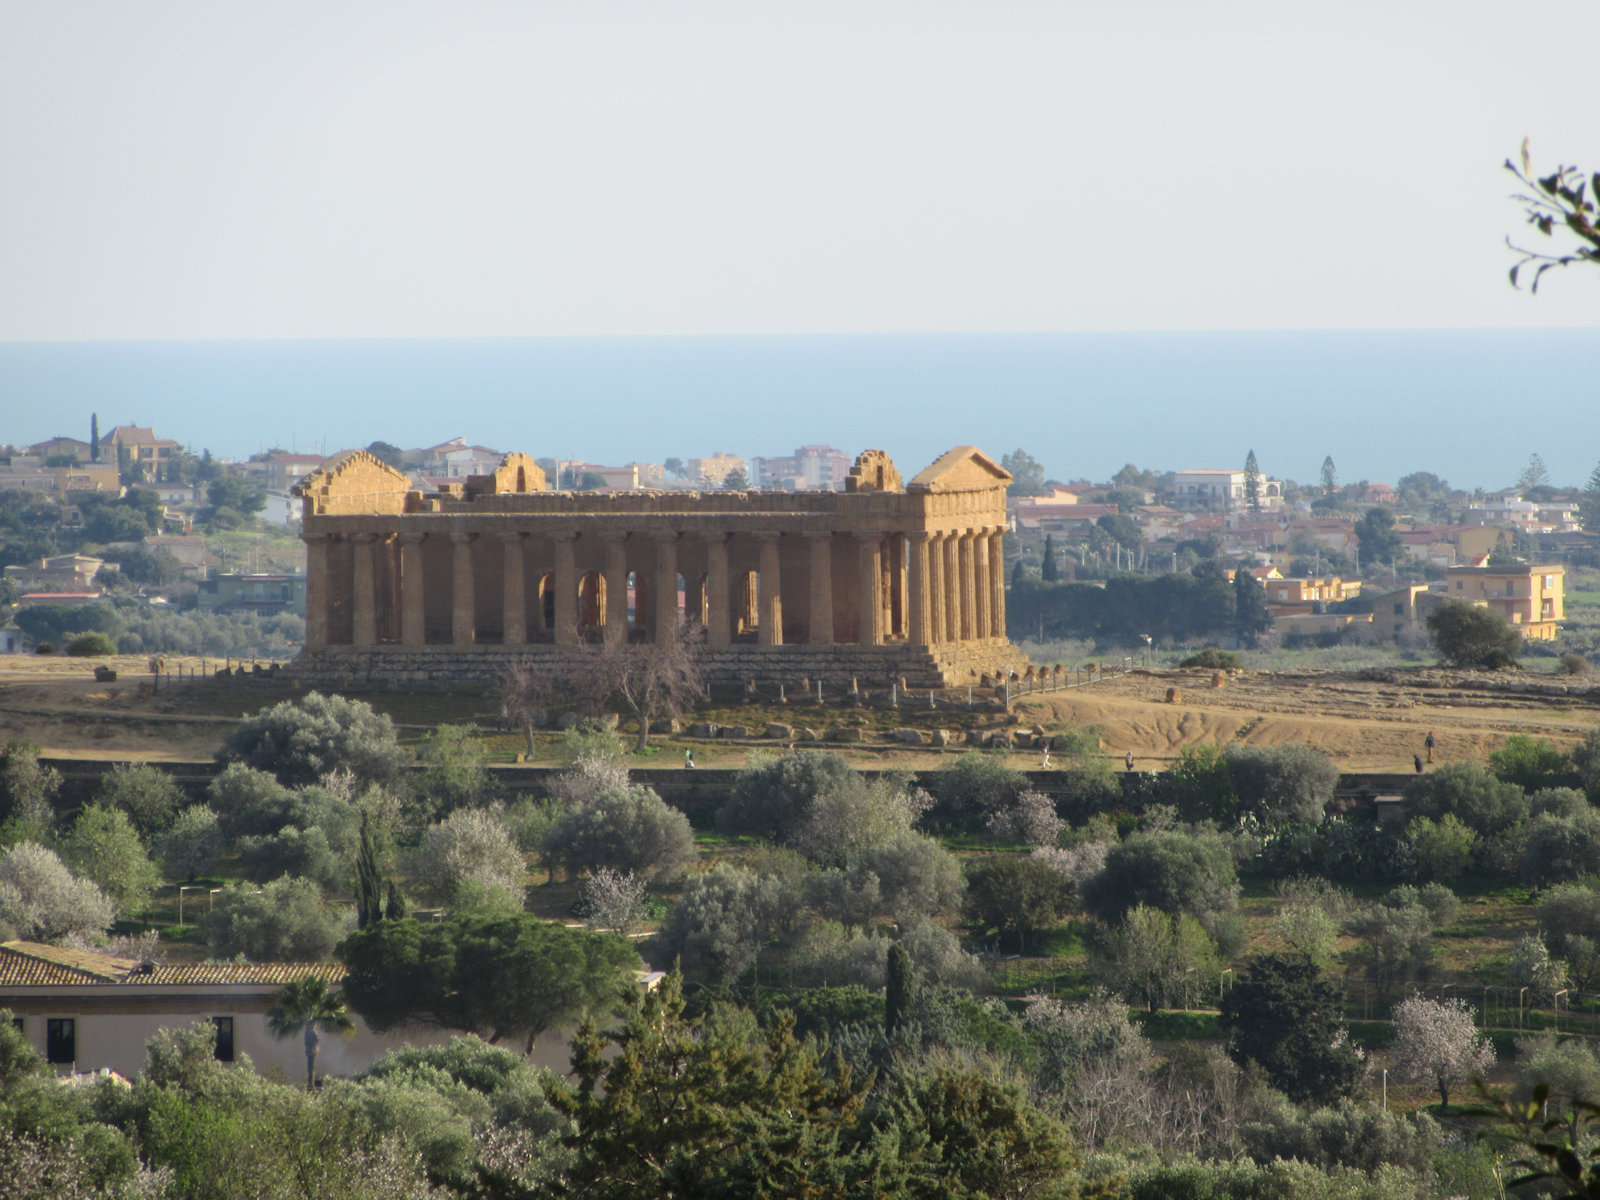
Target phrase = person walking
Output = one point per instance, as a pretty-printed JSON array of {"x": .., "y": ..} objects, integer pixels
[
  {"x": 1128, "y": 759},
  {"x": 1417, "y": 759},
  {"x": 1428, "y": 742},
  {"x": 1044, "y": 757},
  {"x": 688, "y": 759}
]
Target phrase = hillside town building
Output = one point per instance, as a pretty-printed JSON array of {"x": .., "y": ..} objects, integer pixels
[{"x": 884, "y": 580}]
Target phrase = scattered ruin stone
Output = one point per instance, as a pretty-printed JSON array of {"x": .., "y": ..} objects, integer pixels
[
  {"x": 1219, "y": 679},
  {"x": 912, "y": 737},
  {"x": 704, "y": 729},
  {"x": 805, "y": 735},
  {"x": 939, "y": 737},
  {"x": 777, "y": 729},
  {"x": 734, "y": 731},
  {"x": 1174, "y": 695},
  {"x": 844, "y": 733}
]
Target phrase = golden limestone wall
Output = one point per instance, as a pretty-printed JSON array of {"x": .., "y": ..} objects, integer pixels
[{"x": 882, "y": 580}]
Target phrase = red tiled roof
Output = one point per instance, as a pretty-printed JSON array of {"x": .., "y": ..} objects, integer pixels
[{"x": 32, "y": 964}]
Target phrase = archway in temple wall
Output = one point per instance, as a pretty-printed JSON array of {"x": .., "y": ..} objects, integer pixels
[
  {"x": 591, "y": 600},
  {"x": 545, "y": 597},
  {"x": 747, "y": 616}
]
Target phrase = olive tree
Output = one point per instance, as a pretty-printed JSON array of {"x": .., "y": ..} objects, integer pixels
[
  {"x": 42, "y": 901},
  {"x": 469, "y": 858},
  {"x": 299, "y": 741},
  {"x": 1168, "y": 869},
  {"x": 282, "y": 921},
  {"x": 629, "y": 829},
  {"x": 103, "y": 847}
]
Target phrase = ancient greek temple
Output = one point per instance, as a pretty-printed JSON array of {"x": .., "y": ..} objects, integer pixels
[{"x": 884, "y": 580}]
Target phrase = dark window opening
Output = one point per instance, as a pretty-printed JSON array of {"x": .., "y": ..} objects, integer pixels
[
  {"x": 224, "y": 1038},
  {"x": 61, "y": 1040}
]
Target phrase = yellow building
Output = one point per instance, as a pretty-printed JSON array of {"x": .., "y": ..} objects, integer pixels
[{"x": 1529, "y": 597}]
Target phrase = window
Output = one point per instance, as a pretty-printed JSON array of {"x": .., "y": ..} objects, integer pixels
[
  {"x": 61, "y": 1040},
  {"x": 16, "y": 1023},
  {"x": 224, "y": 1049},
  {"x": 1399, "y": 610}
]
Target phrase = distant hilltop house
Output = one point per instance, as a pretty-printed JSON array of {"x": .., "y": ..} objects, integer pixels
[
  {"x": 31, "y": 475},
  {"x": 1531, "y": 597},
  {"x": 714, "y": 470},
  {"x": 62, "y": 447},
  {"x": 284, "y": 470},
  {"x": 261, "y": 594},
  {"x": 808, "y": 469},
  {"x": 1508, "y": 508},
  {"x": 135, "y": 446},
  {"x": 62, "y": 573},
  {"x": 1222, "y": 489}
]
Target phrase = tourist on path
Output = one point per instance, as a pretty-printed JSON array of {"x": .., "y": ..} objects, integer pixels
[{"x": 1428, "y": 742}]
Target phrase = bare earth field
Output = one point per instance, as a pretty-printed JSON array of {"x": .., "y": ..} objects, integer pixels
[{"x": 1367, "y": 721}]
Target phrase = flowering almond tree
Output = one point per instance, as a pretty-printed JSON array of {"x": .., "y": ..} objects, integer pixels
[{"x": 1436, "y": 1042}]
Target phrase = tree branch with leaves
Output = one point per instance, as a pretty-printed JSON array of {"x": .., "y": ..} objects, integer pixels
[{"x": 1563, "y": 199}]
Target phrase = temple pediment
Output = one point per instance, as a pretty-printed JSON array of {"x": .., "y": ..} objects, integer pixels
[
  {"x": 354, "y": 482},
  {"x": 963, "y": 469}
]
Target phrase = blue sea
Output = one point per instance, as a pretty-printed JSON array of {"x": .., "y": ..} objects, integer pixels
[{"x": 1468, "y": 405}]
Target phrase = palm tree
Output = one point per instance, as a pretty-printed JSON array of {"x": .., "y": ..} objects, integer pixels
[{"x": 307, "y": 1005}]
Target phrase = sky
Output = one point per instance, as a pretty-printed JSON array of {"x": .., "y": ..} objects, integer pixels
[{"x": 341, "y": 169}]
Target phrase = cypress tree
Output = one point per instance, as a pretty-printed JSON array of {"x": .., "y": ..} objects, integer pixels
[
  {"x": 94, "y": 437},
  {"x": 369, "y": 878},
  {"x": 396, "y": 909},
  {"x": 897, "y": 990},
  {"x": 1048, "y": 571},
  {"x": 1016, "y": 574}
]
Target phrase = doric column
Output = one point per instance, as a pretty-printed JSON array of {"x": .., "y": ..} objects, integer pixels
[
  {"x": 666, "y": 598},
  {"x": 870, "y": 631},
  {"x": 769, "y": 624},
  {"x": 566, "y": 585},
  {"x": 952, "y": 587},
  {"x": 616, "y": 614},
  {"x": 980, "y": 584},
  {"x": 513, "y": 593},
  {"x": 969, "y": 591},
  {"x": 364, "y": 602},
  {"x": 918, "y": 623},
  {"x": 413, "y": 630},
  {"x": 463, "y": 600},
  {"x": 820, "y": 631},
  {"x": 718, "y": 632},
  {"x": 997, "y": 583},
  {"x": 317, "y": 590},
  {"x": 936, "y": 616}
]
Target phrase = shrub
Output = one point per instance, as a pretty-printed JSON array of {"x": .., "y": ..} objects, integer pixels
[
  {"x": 1528, "y": 762},
  {"x": 1573, "y": 663},
  {"x": 91, "y": 645},
  {"x": 1213, "y": 659},
  {"x": 45, "y": 648}
]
